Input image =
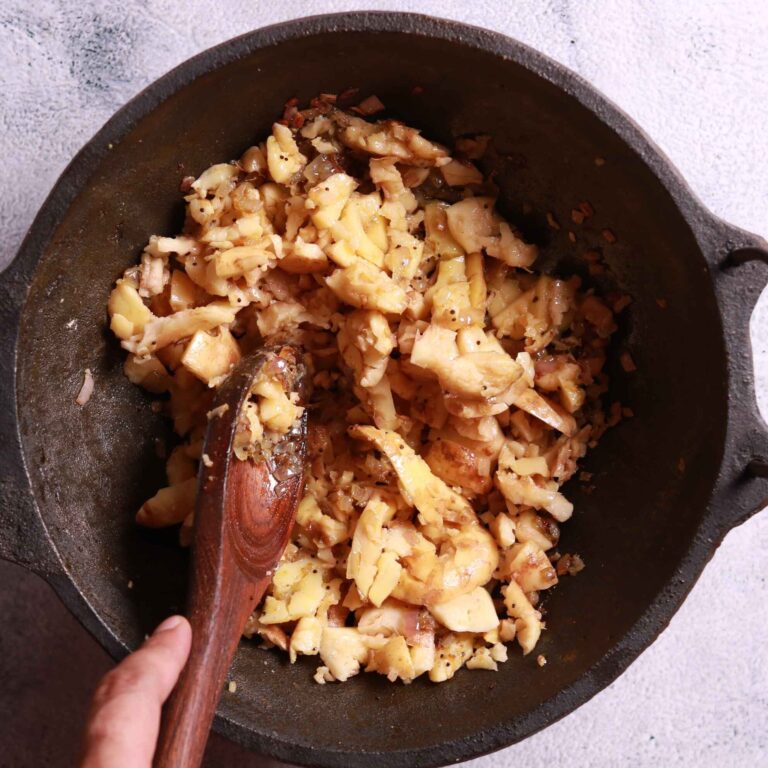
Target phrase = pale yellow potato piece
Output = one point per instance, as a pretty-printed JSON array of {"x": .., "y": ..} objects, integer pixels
[
  {"x": 512, "y": 250},
  {"x": 438, "y": 234},
  {"x": 482, "y": 659},
  {"x": 122, "y": 327},
  {"x": 203, "y": 274},
  {"x": 388, "y": 571},
  {"x": 162, "y": 331},
  {"x": 527, "y": 618},
  {"x": 304, "y": 259},
  {"x": 471, "y": 612},
  {"x": 288, "y": 574},
  {"x": 474, "y": 375},
  {"x": 392, "y": 139},
  {"x": 169, "y": 506},
  {"x": 473, "y": 224},
  {"x": 274, "y": 611},
  {"x": 529, "y": 566},
  {"x": 184, "y": 293},
  {"x": 530, "y": 465},
  {"x": 342, "y": 253},
  {"x": 393, "y": 660},
  {"x": 365, "y": 342},
  {"x": 391, "y": 618},
  {"x": 452, "y": 653},
  {"x": 376, "y": 231},
  {"x": 329, "y": 198},
  {"x": 468, "y": 558},
  {"x": 342, "y": 650},
  {"x": 126, "y": 304},
  {"x": 350, "y": 228},
  {"x": 307, "y": 596},
  {"x": 214, "y": 177},
  {"x": 367, "y": 543},
  {"x": 404, "y": 258},
  {"x": 478, "y": 290},
  {"x": 422, "y": 658},
  {"x": 283, "y": 157},
  {"x": 429, "y": 494},
  {"x": 364, "y": 286},
  {"x": 537, "y": 405},
  {"x": 459, "y": 465},
  {"x": 525, "y": 491},
  {"x": 147, "y": 372},
  {"x": 237, "y": 261},
  {"x": 277, "y": 411},
  {"x": 305, "y": 638},
  {"x": 507, "y": 630},
  {"x": 332, "y": 531},
  {"x": 180, "y": 245},
  {"x": 530, "y": 527},
  {"x": 504, "y": 530},
  {"x": 308, "y": 511},
  {"x": 499, "y": 652},
  {"x": 459, "y": 173},
  {"x": 452, "y": 306},
  {"x": 210, "y": 357},
  {"x": 385, "y": 175}
]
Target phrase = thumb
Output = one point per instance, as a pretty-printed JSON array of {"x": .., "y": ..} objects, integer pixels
[{"x": 125, "y": 713}]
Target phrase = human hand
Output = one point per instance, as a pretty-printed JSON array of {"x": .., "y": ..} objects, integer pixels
[{"x": 124, "y": 720}]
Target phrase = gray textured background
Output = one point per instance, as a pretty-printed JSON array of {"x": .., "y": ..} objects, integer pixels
[{"x": 693, "y": 73}]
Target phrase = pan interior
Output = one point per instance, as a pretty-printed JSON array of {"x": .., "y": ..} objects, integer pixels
[{"x": 91, "y": 467}]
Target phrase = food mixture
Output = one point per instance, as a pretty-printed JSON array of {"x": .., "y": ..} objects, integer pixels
[{"x": 454, "y": 387}]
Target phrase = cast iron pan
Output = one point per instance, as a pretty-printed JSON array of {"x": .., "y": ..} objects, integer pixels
[{"x": 669, "y": 483}]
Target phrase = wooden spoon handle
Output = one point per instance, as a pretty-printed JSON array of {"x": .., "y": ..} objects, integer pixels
[{"x": 217, "y": 623}]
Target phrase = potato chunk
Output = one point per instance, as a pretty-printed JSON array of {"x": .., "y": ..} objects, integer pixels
[
  {"x": 364, "y": 286},
  {"x": 126, "y": 305},
  {"x": 472, "y": 612},
  {"x": 283, "y": 157},
  {"x": 473, "y": 224},
  {"x": 527, "y": 618},
  {"x": 343, "y": 649},
  {"x": 169, "y": 506},
  {"x": 210, "y": 357},
  {"x": 393, "y": 660},
  {"x": 430, "y": 495},
  {"x": 366, "y": 341},
  {"x": 162, "y": 331},
  {"x": 475, "y": 374},
  {"x": 329, "y": 198}
]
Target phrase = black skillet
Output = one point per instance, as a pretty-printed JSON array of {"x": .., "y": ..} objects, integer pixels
[{"x": 669, "y": 484}]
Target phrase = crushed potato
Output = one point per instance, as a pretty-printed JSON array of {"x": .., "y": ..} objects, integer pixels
[{"x": 454, "y": 388}]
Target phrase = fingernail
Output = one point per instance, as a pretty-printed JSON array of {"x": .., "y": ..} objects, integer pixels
[{"x": 170, "y": 623}]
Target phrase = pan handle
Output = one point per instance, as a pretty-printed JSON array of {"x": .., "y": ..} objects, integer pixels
[
  {"x": 23, "y": 538},
  {"x": 740, "y": 273}
]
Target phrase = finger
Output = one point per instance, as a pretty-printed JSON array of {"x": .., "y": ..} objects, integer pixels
[{"x": 125, "y": 714}]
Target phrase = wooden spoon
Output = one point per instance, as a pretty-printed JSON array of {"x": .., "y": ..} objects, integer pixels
[{"x": 243, "y": 518}]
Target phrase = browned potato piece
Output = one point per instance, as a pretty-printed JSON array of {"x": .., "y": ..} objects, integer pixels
[{"x": 457, "y": 465}]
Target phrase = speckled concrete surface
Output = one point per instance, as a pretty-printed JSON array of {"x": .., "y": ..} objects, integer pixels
[{"x": 694, "y": 73}]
